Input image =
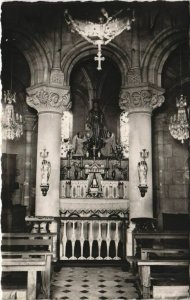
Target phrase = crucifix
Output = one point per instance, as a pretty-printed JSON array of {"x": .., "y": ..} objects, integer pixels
[{"x": 99, "y": 56}]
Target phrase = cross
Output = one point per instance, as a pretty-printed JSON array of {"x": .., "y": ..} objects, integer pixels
[{"x": 99, "y": 57}]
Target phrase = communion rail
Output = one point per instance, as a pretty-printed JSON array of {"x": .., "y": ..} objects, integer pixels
[{"x": 92, "y": 238}]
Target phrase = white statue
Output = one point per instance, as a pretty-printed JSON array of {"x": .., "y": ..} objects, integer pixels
[
  {"x": 78, "y": 144},
  {"x": 45, "y": 172},
  {"x": 142, "y": 172},
  {"x": 110, "y": 145}
]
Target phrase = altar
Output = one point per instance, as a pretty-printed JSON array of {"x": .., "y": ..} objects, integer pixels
[
  {"x": 99, "y": 184},
  {"x": 94, "y": 208}
]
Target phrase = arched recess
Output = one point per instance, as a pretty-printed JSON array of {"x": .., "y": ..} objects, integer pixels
[
  {"x": 89, "y": 83},
  {"x": 158, "y": 51},
  {"x": 35, "y": 52},
  {"x": 84, "y": 49}
]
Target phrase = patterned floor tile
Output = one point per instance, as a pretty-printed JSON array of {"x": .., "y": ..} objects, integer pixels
[{"x": 93, "y": 284}]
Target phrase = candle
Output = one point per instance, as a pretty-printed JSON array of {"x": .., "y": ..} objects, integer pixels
[
  {"x": 68, "y": 159},
  {"x": 81, "y": 162},
  {"x": 107, "y": 163}
]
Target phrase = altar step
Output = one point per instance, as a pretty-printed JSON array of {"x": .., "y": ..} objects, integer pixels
[{"x": 93, "y": 284}]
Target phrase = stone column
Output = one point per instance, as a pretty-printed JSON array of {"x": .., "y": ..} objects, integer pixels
[
  {"x": 139, "y": 102},
  {"x": 50, "y": 102},
  {"x": 29, "y": 124}
]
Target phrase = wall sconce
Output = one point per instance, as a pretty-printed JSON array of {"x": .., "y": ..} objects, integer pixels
[
  {"x": 142, "y": 172},
  {"x": 45, "y": 172}
]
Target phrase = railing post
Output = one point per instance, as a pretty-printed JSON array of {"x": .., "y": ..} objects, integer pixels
[
  {"x": 82, "y": 239},
  {"x": 108, "y": 239},
  {"x": 99, "y": 239},
  {"x": 90, "y": 240},
  {"x": 116, "y": 240}
]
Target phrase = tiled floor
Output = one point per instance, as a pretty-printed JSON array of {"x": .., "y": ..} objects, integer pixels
[{"x": 76, "y": 283}]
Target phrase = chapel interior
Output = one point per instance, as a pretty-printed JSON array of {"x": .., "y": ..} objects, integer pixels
[{"x": 95, "y": 150}]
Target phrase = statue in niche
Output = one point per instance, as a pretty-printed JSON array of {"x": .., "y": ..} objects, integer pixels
[
  {"x": 142, "y": 172},
  {"x": 45, "y": 172},
  {"x": 96, "y": 124},
  {"x": 109, "y": 145},
  {"x": 78, "y": 144}
]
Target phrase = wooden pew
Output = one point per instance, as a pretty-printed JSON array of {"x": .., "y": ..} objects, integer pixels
[
  {"x": 161, "y": 237},
  {"x": 29, "y": 252},
  {"x": 148, "y": 239},
  {"x": 145, "y": 252},
  {"x": 145, "y": 272}
]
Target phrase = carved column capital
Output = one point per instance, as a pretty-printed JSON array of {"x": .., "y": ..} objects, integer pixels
[
  {"x": 49, "y": 99},
  {"x": 145, "y": 97}
]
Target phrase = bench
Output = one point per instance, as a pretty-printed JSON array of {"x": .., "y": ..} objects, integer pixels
[
  {"x": 29, "y": 252},
  {"x": 163, "y": 237},
  {"x": 164, "y": 252},
  {"x": 145, "y": 272}
]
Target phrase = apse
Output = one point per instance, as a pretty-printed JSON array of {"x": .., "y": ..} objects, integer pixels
[{"x": 87, "y": 84}]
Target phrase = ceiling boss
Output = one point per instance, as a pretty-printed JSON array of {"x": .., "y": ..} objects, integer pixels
[{"x": 102, "y": 32}]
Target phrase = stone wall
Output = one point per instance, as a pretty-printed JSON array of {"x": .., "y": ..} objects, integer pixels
[{"x": 171, "y": 175}]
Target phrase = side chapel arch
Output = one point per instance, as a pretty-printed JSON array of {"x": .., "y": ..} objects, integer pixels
[
  {"x": 158, "y": 51},
  {"x": 36, "y": 54}
]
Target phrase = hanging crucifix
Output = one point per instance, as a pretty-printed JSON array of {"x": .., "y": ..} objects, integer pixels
[
  {"x": 99, "y": 56},
  {"x": 102, "y": 32}
]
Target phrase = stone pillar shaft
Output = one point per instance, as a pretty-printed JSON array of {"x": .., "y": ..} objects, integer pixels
[
  {"x": 49, "y": 132},
  {"x": 139, "y": 101},
  {"x": 29, "y": 123},
  {"x": 50, "y": 102},
  {"x": 140, "y": 138}
]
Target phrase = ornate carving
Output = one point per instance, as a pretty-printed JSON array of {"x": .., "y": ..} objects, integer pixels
[
  {"x": 145, "y": 224},
  {"x": 106, "y": 213},
  {"x": 125, "y": 99},
  {"x": 144, "y": 96},
  {"x": 136, "y": 98},
  {"x": 46, "y": 98},
  {"x": 57, "y": 77},
  {"x": 134, "y": 76}
]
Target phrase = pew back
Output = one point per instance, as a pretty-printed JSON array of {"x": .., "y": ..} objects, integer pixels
[{"x": 28, "y": 252}]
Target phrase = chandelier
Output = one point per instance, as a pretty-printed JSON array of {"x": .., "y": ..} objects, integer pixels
[
  {"x": 100, "y": 33},
  {"x": 12, "y": 125},
  {"x": 179, "y": 123}
]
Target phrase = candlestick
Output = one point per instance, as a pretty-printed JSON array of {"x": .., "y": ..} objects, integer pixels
[
  {"x": 81, "y": 162},
  {"x": 94, "y": 151},
  {"x": 107, "y": 163},
  {"x": 120, "y": 164},
  {"x": 68, "y": 160}
]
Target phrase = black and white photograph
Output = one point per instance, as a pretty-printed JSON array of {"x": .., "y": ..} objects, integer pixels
[{"x": 95, "y": 150}]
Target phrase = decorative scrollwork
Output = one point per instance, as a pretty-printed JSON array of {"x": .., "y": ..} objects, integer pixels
[
  {"x": 49, "y": 99},
  {"x": 143, "y": 96}
]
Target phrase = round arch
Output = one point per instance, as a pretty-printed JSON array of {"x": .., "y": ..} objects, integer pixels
[
  {"x": 158, "y": 51},
  {"x": 36, "y": 56},
  {"x": 84, "y": 49}
]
